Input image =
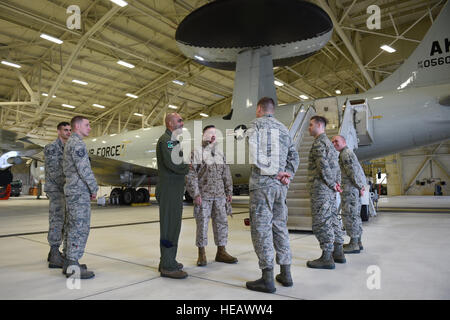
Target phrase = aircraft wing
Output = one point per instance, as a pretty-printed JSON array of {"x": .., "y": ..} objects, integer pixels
[
  {"x": 112, "y": 172},
  {"x": 13, "y": 148}
]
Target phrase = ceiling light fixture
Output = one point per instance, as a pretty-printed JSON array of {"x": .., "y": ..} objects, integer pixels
[
  {"x": 171, "y": 106},
  {"x": 387, "y": 48},
  {"x": 120, "y": 2},
  {"x": 338, "y": 91},
  {"x": 302, "y": 96},
  {"x": 278, "y": 83},
  {"x": 126, "y": 64},
  {"x": 99, "y": 106},
  {"x": 7, "y": 63},
  {"x": 199, "y": 58},
  {"x": 68, "y": 106},
  {"x": 132, "y": 95},
  {"x": 178, "y": 82},
  {"x": 84, "y": 83},
  {"x": 138, "y": 114},
  {"x": 204, "y": 115},
  {"x": 50, "y": 38},
  {"x": 46, "y": 95}
]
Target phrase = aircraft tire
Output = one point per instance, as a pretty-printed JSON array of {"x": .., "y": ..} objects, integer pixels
[
  {"x": 138, "y": 196},
  {"x": 116, "y": 193},
  {"x": 129, "y": 196},
  {"x": 145, "y": 194}
]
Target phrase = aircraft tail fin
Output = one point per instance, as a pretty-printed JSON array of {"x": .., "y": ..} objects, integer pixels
[{"x": 429, "y": 64}]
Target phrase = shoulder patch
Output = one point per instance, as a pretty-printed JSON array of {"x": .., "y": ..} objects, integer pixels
[
  {"x": 80, "y": 153},
  {"x": 50, "y": 150},
  {"x": 170, "y": 144}
]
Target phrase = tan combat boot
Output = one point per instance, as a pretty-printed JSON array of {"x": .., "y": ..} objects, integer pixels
[
  {"x": 223, "y": 256},
  {"x": 175, "y": 274},
  {"x": 201, "y": 262},
  {"x": 179, "y": 266}
]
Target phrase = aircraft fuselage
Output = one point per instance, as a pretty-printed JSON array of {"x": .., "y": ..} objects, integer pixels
[{"x": 402, "y": 120}]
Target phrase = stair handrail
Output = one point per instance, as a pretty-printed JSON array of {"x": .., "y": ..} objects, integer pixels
[
  {"x": 303, "y": 119},
  {"x": 347, "y": 129},
  {"x": 295, "y": 121}
]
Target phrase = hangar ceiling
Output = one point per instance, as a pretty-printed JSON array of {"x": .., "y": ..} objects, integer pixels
[{"x": 143, "y": 34}]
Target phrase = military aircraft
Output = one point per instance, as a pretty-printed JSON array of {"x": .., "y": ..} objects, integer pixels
[{"x": 409, "y": 109}]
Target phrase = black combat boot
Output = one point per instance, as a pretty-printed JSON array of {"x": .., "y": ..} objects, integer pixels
[
  {"x": 264, "y": 284},
  {"x": 76, "y": 270},
  {"x": 338, "y": 253},
  {"x": 285, "y": 275},
  {"x": 324, "y": 262},
  {"x": 360, "y": 244},
  {"x": 352, "y": 246},
  {"x": 82, "y": 266},
  {"x": 55, "y": 259}
]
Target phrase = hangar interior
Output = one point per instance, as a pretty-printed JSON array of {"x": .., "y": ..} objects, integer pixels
[{"x": 85, "y": 77}]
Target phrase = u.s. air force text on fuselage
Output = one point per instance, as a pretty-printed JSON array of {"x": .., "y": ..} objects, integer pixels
[{"x": 109, "y": 151}]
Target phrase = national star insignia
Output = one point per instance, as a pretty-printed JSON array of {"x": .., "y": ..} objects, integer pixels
[{"x": 239, "y": 133}]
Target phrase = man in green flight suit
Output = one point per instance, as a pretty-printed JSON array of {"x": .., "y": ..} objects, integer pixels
[{"x": 169, "y": 193}]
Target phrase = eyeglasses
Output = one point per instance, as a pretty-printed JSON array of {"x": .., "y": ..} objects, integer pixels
[{"x": 180, "y": 120}]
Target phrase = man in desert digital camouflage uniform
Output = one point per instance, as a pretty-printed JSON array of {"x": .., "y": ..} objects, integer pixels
[{"x": 210, "y": 185}]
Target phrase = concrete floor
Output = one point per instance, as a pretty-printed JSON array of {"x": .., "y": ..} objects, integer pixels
[{"x": 409, "y": 249}]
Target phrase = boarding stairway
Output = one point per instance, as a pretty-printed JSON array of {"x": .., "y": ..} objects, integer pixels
[{"x": 353, "y": 123}]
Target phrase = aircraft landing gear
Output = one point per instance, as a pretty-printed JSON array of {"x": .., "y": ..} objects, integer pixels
[
  {"x": 116, "y": 196},
  {"x": 145, "y": 194},
  {"x": 128, "y": 196}
]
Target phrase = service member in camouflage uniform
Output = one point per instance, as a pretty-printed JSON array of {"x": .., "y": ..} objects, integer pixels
[
  {"x": 80, "y": 188},
  {"x": 323, "y": 182},
  {"x": 353, "y": 182},
  {"x": 54, "y": 187},
  {"x": 169, "y": 193},
  {"x": 210, "y": 184},
  {"x": 274, "y": 163}
]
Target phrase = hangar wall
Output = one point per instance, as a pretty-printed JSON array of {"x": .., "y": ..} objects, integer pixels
[
  {"x": 430, "y": 165},
  {"x": 22, "y": 172}
]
